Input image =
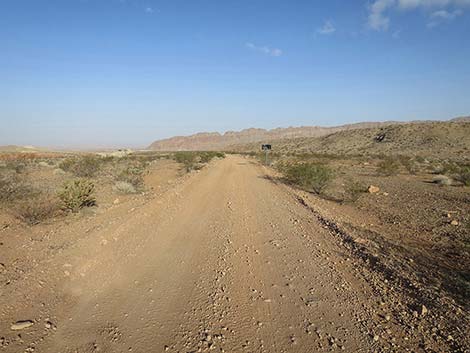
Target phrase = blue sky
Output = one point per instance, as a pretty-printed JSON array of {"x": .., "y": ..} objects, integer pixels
[{"x": 83, "y": 73}]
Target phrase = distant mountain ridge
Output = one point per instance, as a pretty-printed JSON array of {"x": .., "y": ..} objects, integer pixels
[{"x": 209, "y": 141}]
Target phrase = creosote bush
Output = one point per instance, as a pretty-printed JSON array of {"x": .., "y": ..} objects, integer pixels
[
  {"x": 188, "y": 159},
  {"x": 84, "y": 167},
  {"x": 37, "y": 209},
  {"x": 463, "y": 175},
  {"x": 14, "y": 188},
  {"x": 309, "y": 176},
  {"x": 353, "y": 190},
  {"x": 133, "y": 175},
  {"x": 458, "y": 172},
  {"x": 76, "y": 194},
  {"x": 206, "y": 157},
  {"x": 388, "y": 166}
]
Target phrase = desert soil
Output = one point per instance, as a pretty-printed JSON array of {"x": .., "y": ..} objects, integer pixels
[{"x": 223, "y": 259}]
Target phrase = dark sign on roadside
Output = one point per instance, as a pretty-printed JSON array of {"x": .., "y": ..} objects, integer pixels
[{"x": 265, "y": 147}]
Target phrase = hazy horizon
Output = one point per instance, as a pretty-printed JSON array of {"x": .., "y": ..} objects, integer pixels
[{"x": 124, "y": 73}]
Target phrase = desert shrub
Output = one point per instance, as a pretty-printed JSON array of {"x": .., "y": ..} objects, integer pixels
[
  {"x": 442, "y": 180},
  {"x": 133, "y": 175},
  {"x": 463, "y": 175},
  {"x": 67, "y": 164},
  {"x": 16, "y": 165},
  {"x": 282, "y": 166},
  {"x": 409, "y": 163},
  {"x": 124, "y": 187},
  {"x": 77, "y": 193},
  {"x": 310, "y": 176},
  {"x": 388, "y": 166},
  {"x": 420, "y": 159},
  {"x": 58, "y": 171},
  {"x": 37, "y": 209},
  {"x": 13, "y": 188},
  {"x": 188, "y": 159},
  {"x": 83, "y": 167},
  {"x": 206, "y": 157},
  {"x": 353, "y": 190}
]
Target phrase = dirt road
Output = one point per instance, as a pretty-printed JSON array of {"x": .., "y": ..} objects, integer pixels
[{"x": 225, "y": 261}]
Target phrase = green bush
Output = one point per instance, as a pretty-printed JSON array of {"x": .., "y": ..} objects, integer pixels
[
  {"x": 310, "y": 176},
  {"x": 206, "y": 157},
  {"x": 387, "y": 167},
  {"x": 188, "y": 159},
  {"x": 76, "y": 194},
  {"x": 37, "y": 209}
]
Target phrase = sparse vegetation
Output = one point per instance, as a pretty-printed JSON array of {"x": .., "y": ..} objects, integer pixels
[
  {"x": 124, "y": 187},
  {"x": 409, "y": 163},
  {"x": 353, "y": 190},
  {"x": 37, "y": 209},
  {"x": 463, "y": 175},
  {"x": 188, "y": 159},
  {"x": 76, "y": 194},
  {"x": 83, "y": 167},
  {"x": 133, "y": 175},
  {"x": 13, "y": 188},
  {"x": 206, "y": 157},
  {"x": 442, "y": 180},
  {"x": 388, "y": 167},
  {"x": 309, "y": 176}
]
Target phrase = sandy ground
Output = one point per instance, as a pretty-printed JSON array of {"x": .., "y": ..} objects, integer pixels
[{"x": 223, "y": 260}]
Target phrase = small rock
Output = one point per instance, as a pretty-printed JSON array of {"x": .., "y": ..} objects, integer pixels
[
  {"x": 20, "y": 325},
  {"x": 376, "y": 338},
  {"x": 373, "y": 189},
  {"x": 454, "y": 222},
  {"x": 423, "y": 310}
]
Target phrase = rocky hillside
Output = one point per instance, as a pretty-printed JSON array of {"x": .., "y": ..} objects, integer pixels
[
  {"x": 439, "y": 139},
  {"x": 209, "y": 141}
]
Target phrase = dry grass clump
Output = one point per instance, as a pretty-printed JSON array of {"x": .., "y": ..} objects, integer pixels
[{"x": 76, "y": 194}]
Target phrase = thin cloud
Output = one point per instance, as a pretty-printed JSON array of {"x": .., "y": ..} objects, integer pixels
[
  {"x": 327, "y": 28},
  {"x": 149, "y": 10},
  {"x": 264, "y": 49},
  {"x": 440, "y": 10},
  {"x": 441, "y": 16},
  {"x": 377, "y": 18}
]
